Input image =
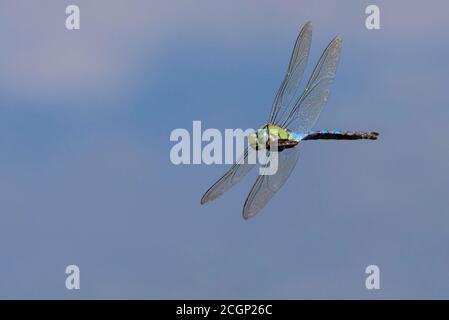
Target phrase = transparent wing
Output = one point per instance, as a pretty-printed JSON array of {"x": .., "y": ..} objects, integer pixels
[
  {"x": 230, "y": 178},
  {"x": 309, "y": 105},
  {"x": 289, "y": 86},
  {"x": 267, "y": 185}
]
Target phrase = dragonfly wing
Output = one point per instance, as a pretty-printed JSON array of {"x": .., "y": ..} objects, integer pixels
[
  {"x": 309, "y": 105},
  {"x": 267, "y": 185},
  {"x": 231, "y": 177},
  {"x": 289, "y": 86}
]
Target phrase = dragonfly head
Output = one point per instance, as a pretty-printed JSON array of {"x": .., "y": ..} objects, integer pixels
[{"x": 260, "y": 139}]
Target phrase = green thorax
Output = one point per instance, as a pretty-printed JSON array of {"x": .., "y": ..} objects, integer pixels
[
  {"x": 267, "y": 134},
  {"x": 276, "y": 131}
]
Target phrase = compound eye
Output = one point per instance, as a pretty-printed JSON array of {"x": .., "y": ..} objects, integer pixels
[
  {"x": 263, "y": 137},
  {"x": 252, "y": 138}
]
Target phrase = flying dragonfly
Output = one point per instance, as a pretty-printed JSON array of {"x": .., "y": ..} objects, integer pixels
[{"x": 291, "y": 120}]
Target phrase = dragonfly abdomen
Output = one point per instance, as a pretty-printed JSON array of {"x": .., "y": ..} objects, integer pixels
[{"x": 339, "y": 135}]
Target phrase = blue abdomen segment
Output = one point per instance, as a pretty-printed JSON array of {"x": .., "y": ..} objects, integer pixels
[
  {"x": 298, "y": 136},
  {"x": 303, "y": 136}
]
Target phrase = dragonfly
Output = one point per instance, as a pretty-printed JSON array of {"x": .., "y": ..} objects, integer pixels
[{"x": 292, "y": 117}]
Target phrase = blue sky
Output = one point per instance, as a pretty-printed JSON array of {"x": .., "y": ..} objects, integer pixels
[{"x": 86, "y": 179}]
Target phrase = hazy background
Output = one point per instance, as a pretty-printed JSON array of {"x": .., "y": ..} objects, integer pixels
[{"x": 86, "y": 179}]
